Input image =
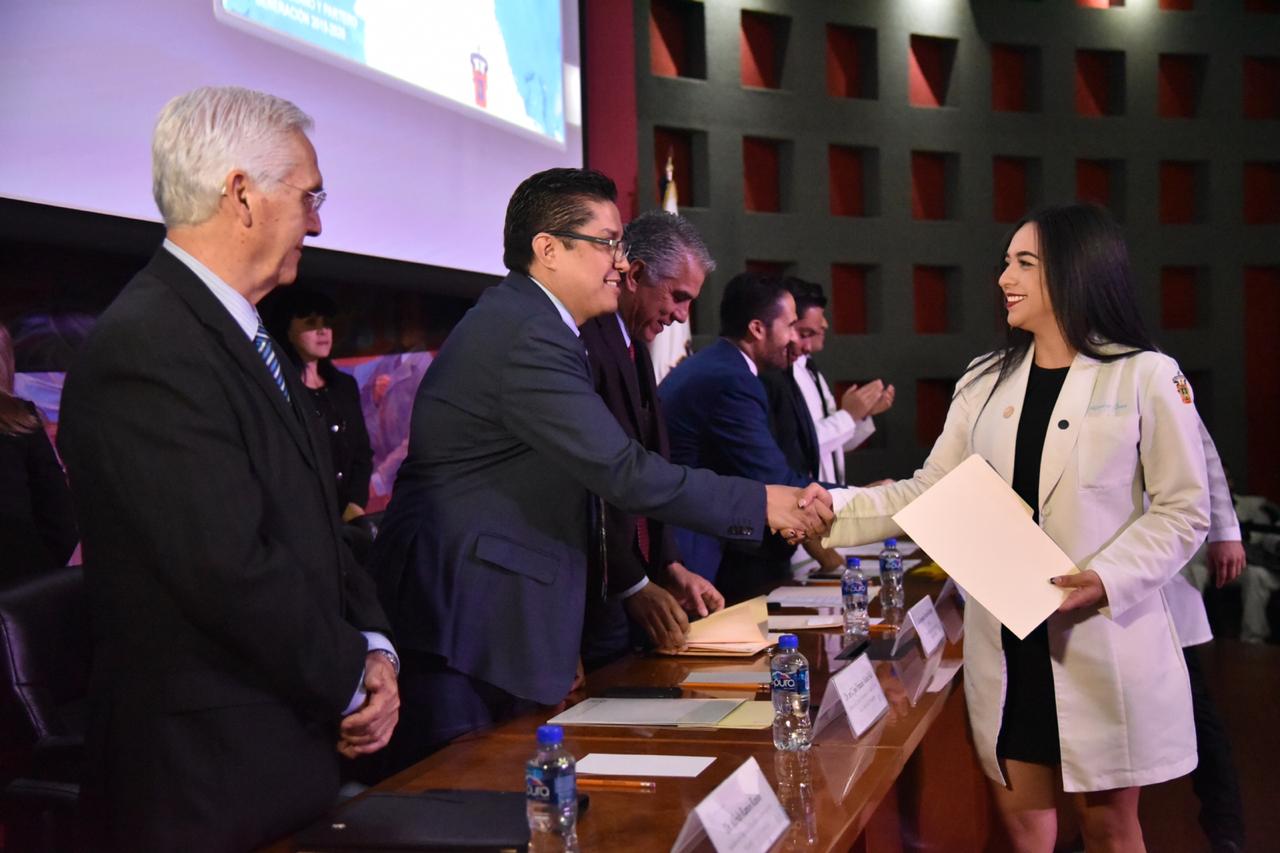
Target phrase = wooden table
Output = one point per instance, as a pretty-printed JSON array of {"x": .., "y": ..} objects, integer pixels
[{"x": 910, "y": 782}]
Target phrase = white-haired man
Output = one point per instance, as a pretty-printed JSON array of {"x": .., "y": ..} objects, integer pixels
[{"x": 239, "y": 649}]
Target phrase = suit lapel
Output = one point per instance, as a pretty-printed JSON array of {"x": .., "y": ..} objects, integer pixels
[
  {"x": 1070, "y": 409},
  {"x": 625, "y": 367},
  {"x": 232, "y": 339}
]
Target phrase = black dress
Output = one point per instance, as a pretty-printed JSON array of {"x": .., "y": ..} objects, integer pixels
[
  {"x": 337, "y": 405},
  {"x": 1029, "y": 725},
  {"x": 37, "y": 522}
]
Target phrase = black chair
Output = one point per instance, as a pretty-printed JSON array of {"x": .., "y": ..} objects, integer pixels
[{"x": 44, "y": 677}]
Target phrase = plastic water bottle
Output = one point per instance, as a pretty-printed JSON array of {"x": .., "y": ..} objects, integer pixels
[
  {"x": 853, "y": 588},
  {"x": 891, "y": 576},
  {"x": 551, "y": 795},
  {"x": 789, "y": 683}
]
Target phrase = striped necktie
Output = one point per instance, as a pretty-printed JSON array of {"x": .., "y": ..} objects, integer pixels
[{"x": 267, "y": 351}]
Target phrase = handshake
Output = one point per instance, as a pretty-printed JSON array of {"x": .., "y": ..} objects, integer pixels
[{"x": 798, "y": 514}]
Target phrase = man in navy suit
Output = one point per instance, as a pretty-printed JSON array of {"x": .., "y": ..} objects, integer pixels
[
  {"x": 717, "y": 416},
  {"x": 482, "y": 558},
  {"x": 669, "y": 262}
]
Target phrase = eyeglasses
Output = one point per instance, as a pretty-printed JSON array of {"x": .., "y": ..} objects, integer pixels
[
  {"x": 315, "y": 198},
  {"x": 618, "y": 247}
]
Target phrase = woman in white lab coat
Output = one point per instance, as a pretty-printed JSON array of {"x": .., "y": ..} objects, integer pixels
[{"x": 1099, "y": 434}]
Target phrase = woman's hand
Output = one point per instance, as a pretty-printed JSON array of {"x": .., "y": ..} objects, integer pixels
[{"x": 1085, "y": 589}]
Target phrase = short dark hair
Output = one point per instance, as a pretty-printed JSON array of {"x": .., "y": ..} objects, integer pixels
[
  {"x": 661, "y": 240},
  {"x": 749, "y": 296},
  {"x": 807, "y": 294},
  {"x": 554, "y": 200}
]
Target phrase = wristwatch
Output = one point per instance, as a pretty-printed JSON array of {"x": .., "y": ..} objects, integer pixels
[{"x": 391, "y": 656}]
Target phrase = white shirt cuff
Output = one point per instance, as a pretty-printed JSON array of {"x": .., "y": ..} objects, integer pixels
[{"x": 630, "y": 591}]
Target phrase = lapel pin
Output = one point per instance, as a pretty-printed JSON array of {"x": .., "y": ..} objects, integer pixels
[{"x": 1008, "y": 411}]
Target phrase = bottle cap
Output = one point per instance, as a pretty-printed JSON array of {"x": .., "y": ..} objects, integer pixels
[
  {"x": 550, "y": 735},
  {"x": 788, "y": 641},
  {"x": 852, "y": 563},
  {"x": 891, "y": 542}
]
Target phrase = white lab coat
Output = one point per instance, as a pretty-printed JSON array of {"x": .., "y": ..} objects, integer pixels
[{"x": 1120, "y": 435}]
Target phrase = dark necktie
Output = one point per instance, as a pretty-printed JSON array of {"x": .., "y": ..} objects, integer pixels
[
  {"x": 267, "y": 352},
  {"x": 642, "y": 523}
]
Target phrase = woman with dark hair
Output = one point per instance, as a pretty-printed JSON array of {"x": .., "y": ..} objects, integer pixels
[
  {"x": 37, "y": 522},
  {"x": 1098, "y": 434},
  {"x": 302, "y": 322}
]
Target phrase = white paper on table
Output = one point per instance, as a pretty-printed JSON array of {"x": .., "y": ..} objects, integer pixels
[
  {"x": 978, "y": 530},
  {"x": 804, "y": 623},
  {"x": 727, "y": 676},
  {"x": 742, "y": 815},
  {"x": 646, "y": 712},
  {"x": 946, "y": 671},
  {"x": 619, "y": 764},
  {"x": 873, "y": 549},
  {"x": 807, "y": 596}
]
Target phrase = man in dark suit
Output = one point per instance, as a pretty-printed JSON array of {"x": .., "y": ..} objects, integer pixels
[
  {"x": 800, "y": 431},
  {"x": 238, "y": 649},
  {"x": 668, "y": 264},
  {"x": 717, "y": 416},
  {"x": 482, "y": 556}
]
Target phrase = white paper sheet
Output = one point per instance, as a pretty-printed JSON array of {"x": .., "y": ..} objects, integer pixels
[
  {"x": 806, "y": 596},
  {"x": 978, "y": 530},
  {"x": 618, "y": 764},
  {"x": 805, "y": 623},
  {"x": 646, "y": 712}
]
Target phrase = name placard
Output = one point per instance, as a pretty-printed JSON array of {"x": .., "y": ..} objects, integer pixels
[
  {"x": 927, "y": 624},
  {"x": 915, "y": 671},
  {"x": 742, "y": 815},
  {"x": 950, "y": 608},
  {"x": 855, "y": 694}
]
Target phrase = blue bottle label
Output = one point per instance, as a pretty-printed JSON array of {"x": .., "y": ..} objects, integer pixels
[
  {"x": 890, "y": 563},
  {"x": 791, "y": 681},
  {"x": 548, "y": 786},
  {"x": 853, "y": 586}
]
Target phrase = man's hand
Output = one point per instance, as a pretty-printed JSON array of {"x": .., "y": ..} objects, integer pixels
[
  {"x": 1085, "y": 590},
  {"x": 829, "y": 559},
  {"x": 1226, "y": 560},
  {"x": 885, "y": 402},
  {"x": 655, "y": 610},
  {"x": 798, "y": 514},
  {"x": 860, "y": 399},
  {"x": 368, "y": 729},
  {"x": 694, "y": 592}
]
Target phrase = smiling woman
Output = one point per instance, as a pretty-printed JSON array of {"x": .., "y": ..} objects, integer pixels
[{"x": 1042, "y": 410}]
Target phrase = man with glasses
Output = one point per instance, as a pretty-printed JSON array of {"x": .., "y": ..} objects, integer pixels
[
  {"x": 239, "y": 648},
  {"x": 482, "y": 555},
  {"x": 668, "y": 264}
]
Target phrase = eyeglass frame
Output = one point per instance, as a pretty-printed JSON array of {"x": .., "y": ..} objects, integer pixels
[
  {"x": 615, "y": 244},
  {"x": 316, "y": 198}
]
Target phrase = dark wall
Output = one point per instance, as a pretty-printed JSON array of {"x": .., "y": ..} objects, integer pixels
[
  {"x": 910, "y": 210},
  {"x": 62, "y": 267}
]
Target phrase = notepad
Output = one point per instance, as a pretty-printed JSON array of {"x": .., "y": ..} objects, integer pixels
[
  {"x": 646, "y": 712},
  {"x": 619, "y": 764}
]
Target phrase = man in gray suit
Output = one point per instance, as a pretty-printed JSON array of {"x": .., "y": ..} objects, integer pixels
[{"x": 482, "y": 558}]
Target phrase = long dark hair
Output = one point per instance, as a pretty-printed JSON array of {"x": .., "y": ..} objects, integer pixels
[
  {"x": 15, "y": 417},
  {"x": 301, "y": 303},
  {"x": 1086, "y": 271}
]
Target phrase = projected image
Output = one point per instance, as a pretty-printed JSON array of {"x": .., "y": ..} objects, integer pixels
[{"x": 499, "y": 58}]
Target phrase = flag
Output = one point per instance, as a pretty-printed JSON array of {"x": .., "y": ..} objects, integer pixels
[{"x": 674, "y": 342}]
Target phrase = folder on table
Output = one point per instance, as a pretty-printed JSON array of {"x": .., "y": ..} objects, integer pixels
[{"x": 738, "y": 631}]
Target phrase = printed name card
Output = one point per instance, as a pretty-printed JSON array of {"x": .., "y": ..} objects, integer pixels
[
  {"x": 927, "y": 624},
  {"x": 854, "y": 693},
  {"x": 742, "y": 815},
  {"x": 950, "y": 608}
]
